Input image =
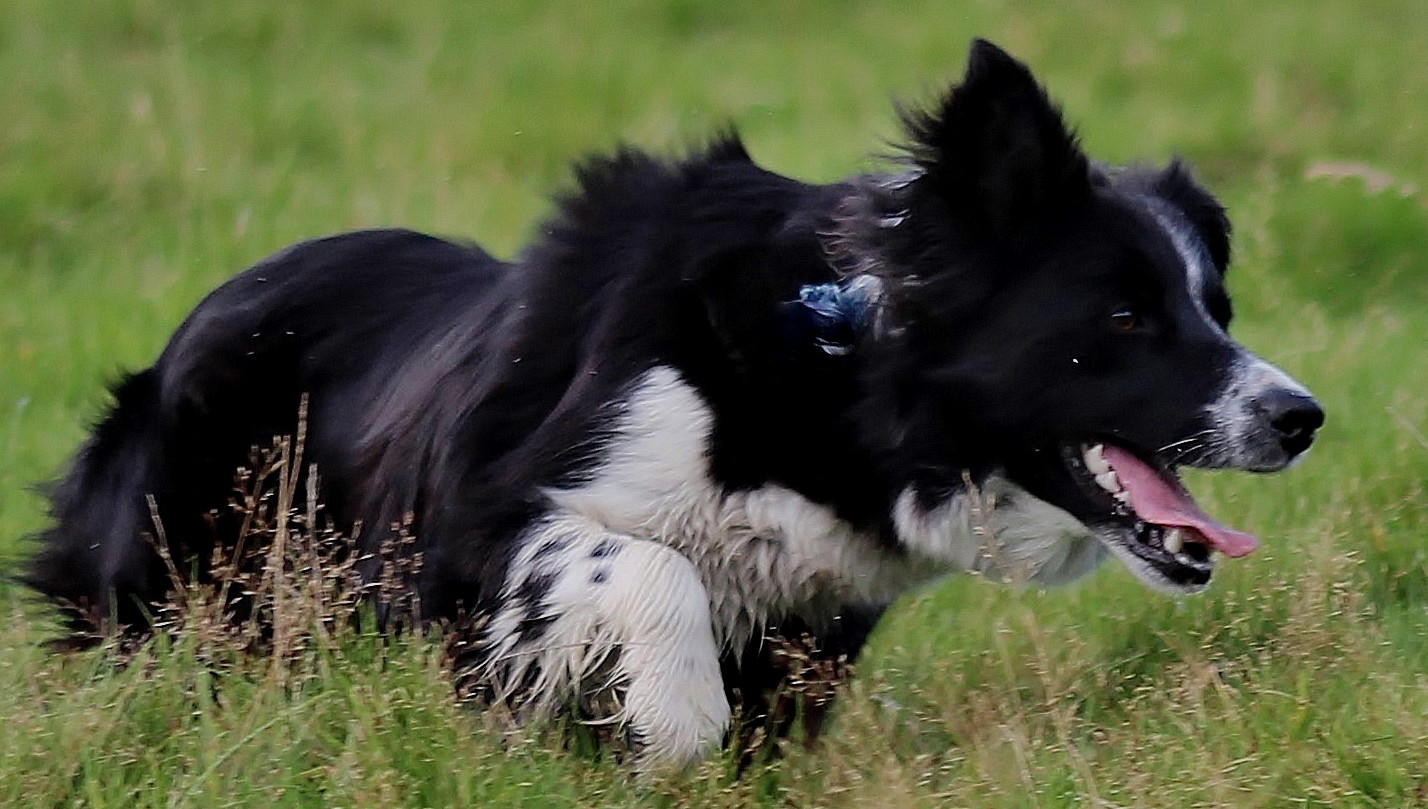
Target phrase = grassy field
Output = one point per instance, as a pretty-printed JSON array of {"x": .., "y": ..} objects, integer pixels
[{"x": 149, "y": 148}]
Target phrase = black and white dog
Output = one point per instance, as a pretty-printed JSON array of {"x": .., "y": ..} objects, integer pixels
[{"x": 711, "y": 403}]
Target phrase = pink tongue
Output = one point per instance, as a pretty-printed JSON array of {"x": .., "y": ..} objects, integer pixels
[{"x": 1159, "y": 500}]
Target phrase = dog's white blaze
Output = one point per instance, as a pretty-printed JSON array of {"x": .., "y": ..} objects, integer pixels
[{"x": 1193, "y": 256}]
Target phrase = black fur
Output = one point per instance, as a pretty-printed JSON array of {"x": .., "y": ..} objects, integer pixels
[{"x": 447, "y": 387}]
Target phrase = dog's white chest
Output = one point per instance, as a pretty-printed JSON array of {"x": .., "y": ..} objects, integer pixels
[{"x": 760, "y": 553}]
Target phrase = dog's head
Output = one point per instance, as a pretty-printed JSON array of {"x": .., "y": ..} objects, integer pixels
[{"x": 1057, "y": 331}]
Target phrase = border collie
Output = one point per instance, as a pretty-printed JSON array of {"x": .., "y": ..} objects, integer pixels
[{"x": 711, "y": 404}]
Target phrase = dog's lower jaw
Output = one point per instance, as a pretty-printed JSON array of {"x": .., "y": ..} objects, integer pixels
[{"x": 1148, "y": 575}]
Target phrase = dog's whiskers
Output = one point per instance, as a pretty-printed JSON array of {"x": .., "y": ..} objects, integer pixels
[
  {"x": 1192, "y": 438},
  {"x": 1194, "y": 449}
]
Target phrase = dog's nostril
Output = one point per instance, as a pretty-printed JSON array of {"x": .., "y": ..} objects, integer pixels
[{"x": 1294, "y": 416}]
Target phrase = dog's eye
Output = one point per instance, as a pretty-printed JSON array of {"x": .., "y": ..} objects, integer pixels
[{"x": 1125, "y": 319}]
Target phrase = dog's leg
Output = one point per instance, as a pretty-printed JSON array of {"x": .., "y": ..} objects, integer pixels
[
  {"x": 586, "y": 610},
  {"x": 787, "y": 680}
]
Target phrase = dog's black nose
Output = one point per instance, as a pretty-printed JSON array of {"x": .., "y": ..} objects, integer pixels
[{"x": 1293, "y": 416}]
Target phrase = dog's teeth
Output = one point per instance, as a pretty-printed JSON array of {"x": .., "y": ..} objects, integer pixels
[
  {"x": 1174, "y": 541},
  {"x": 1123, "y": 497},
  {"x": 1109, "y": 481},
  {"x": 1096, "y": 460}
]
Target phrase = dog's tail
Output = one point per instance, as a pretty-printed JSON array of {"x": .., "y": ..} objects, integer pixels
[{"x": 98, "y": 561}]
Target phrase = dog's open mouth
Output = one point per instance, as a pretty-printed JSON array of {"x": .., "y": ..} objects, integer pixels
[{"x": 1152, "y": 516}]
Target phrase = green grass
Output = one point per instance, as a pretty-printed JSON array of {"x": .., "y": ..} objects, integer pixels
[{"x": 149, "y": 149}]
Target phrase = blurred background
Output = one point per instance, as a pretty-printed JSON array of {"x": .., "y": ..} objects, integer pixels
[{"x": 151, "y": 148}]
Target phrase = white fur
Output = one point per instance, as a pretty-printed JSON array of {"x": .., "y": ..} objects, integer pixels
[
  {"x": 632, "y": 616},
  {"x": 1001, "y": 531},
  {"x": 759, "y": 553}
]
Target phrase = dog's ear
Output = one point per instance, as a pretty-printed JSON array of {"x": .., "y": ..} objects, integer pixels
[
  {"x": 1200, "y": 208},
  {"x": 996, "y": 149}
]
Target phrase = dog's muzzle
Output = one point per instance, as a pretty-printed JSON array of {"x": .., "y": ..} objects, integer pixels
[{"x": 1262, "y": 422}]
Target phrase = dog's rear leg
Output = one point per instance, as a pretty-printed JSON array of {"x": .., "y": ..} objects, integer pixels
[{"x": 586, "y": 609}]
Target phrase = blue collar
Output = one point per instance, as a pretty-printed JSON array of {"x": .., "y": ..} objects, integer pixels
[{"x": 829, "y": 315}]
